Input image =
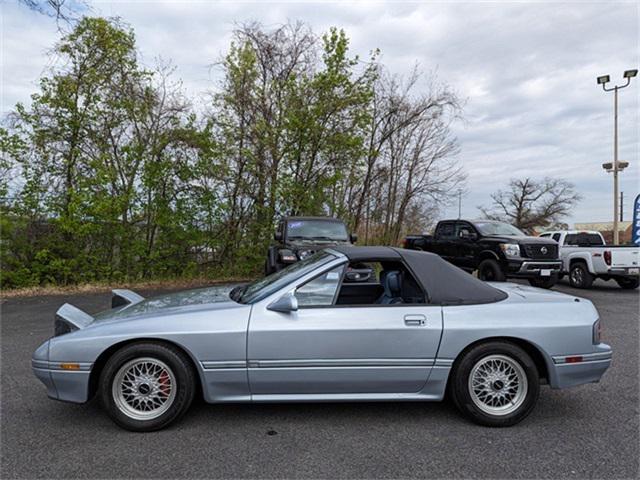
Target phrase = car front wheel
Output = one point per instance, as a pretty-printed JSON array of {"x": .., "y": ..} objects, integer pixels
[
  {"x": 490, "y": 271},
  {"x": 495, "y": 384},
  {"x": 147, "y": 386}
]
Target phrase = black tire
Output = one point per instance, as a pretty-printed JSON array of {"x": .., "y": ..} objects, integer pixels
[
  {"x": 628, "y": 283},
  {"x": 267, "y": 269},
  {"x": 489, "y": 270},
  {"x": 542, "y": 282},
  {"x": 579, "y": 276},
  {"x": 462, "y": 397},
  {"x": 179, "y": 366}
]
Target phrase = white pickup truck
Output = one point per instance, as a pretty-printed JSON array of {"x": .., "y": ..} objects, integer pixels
[{"x": 585, "y": 257}]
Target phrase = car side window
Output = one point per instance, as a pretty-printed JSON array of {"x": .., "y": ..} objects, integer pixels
[
  {"x": 571, "y": 239},
  {"x": 446, "y": 230},
  {"x": 556, "y": 237},
  {"x": 321, "y": 291},
  {"x": 463, "y": 230}
]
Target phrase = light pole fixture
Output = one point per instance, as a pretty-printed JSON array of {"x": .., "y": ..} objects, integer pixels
[{"x": 615, "y": 166}]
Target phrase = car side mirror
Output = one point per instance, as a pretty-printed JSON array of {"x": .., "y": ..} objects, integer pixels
[
  {"x": 286, "y": 304},
  {"x": 353, "y": 238},
  {"x": 277, "y": 236}
]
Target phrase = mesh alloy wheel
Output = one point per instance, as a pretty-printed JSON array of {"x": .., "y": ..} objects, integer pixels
[
  {"x": 144, "y": 388},
  {"x": 498, "y": 385}
]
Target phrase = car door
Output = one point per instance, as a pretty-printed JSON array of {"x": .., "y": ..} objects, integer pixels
[
  {"x": 324, "y": 349},
  {"x": 444, "y": 240},
  {"x": 466, "y": 245}
]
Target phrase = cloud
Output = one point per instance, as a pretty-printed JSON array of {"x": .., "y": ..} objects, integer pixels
[{"x": 527, "y": 71}]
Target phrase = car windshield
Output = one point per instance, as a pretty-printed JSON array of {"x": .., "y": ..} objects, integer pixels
[
  {"x": 264, "y": 287},
  {"x": 498, "y": 228},
  {"x": 316, "y": 230}
]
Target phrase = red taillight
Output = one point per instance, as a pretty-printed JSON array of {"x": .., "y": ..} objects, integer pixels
[
  {"x": 607, "y": 257},
  {"x": 404, "y": 243}
]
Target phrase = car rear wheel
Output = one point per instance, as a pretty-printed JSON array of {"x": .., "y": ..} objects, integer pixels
[
  {"x": 495, "y": 384},
  {"x": 628, "y": 283},
  {"x": 147, "y": 386},
  {"x": 579, "y": 276},
  {"x": 544, "y": 282},
  {"x": 490, "y": 271}
]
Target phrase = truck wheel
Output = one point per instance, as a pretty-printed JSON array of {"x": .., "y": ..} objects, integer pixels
[
  {"x": 267, "y": 269},
  {"x": 495, "y": 384},
  {"x": 579, "y": 276},
  {"x": 628, "y": 283},
  {"x": 490, "y": 271},
  {"x": 541, "y": 282}
]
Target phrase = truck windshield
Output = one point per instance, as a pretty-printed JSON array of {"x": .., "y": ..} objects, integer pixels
[
  {"x": 317, "y": 230},
  {"x": 264, "y": 287},
  {"x": 498, "y": 228}
]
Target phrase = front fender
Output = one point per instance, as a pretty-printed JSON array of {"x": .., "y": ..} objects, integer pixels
[{"x": 214, "y": 339}]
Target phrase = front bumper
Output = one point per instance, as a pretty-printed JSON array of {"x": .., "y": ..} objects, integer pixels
[
  {"x": 572, "y": 370},
  {"x": 533, "y": 268},
  {"x": 62, "y": 384}
]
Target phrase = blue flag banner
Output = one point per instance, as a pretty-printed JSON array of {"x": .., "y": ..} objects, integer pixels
[{"x": 635, "y": 228}]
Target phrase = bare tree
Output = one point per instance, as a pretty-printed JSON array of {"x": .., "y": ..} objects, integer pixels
[
  {"x": 410, "y": 160},
  {"x": 61, "y": 10},
  {"x": 532, "y": 204}
]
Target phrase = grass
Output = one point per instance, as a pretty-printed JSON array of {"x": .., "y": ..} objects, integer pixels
[{"x": 107, "y": 287}]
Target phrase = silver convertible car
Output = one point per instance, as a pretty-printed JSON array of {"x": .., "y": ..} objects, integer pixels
[{"x": 344, "y": 324}]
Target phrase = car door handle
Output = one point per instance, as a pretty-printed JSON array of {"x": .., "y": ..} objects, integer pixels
[{"x": 415, "y": 320}]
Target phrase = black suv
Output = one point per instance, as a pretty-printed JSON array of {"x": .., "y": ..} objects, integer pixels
[
  {"x": 298, "y": 237},
  {"x": 496, "y": 250}
]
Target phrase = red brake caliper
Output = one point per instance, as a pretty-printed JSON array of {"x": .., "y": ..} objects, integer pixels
[{"x": 165, "y": 385}]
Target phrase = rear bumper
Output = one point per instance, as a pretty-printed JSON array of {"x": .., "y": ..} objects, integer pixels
[
  {"x": 568, "y": 372},
  {"x": 624, "y": 272}
]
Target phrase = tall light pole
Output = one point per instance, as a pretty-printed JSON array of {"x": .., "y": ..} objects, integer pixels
[{"x": 617, "y": 166}]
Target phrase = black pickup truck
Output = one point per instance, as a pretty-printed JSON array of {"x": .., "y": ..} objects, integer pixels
[
  {"x": 297, "y": 237},
  {"x": 496, "y": 250}
]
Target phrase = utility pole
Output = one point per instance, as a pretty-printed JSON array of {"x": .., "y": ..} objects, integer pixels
[
  {"x": 622, "y": 206},
  {"x": 617, "y": 166},
  {"x": 459, "y": 203}
]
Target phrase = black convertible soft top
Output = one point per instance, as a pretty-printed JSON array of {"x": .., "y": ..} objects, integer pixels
[{"x": 444, "y": 283}]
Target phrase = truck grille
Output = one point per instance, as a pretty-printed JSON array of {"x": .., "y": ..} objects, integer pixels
[{"x": 541, "y": 251}]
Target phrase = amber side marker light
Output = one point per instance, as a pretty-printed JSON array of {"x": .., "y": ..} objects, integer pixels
[
  {"x": 576, "y": 359},
  {"x": 70, "y": 366}
]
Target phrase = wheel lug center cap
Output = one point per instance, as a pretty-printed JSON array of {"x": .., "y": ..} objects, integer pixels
[
  {"x": 144, "y": 389},
  {"x": 498, "y": 385}
]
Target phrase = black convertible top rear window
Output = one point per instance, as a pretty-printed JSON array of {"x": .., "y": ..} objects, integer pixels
[
  {"x": 447, "y": 284},
  {"x": 444, "y": 283}
]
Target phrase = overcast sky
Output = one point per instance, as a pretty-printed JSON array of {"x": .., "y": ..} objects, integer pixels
[{"x": 527, "y": 71}]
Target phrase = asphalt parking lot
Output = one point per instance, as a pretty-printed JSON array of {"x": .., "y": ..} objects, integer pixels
[{"x": 586, "y": 432}]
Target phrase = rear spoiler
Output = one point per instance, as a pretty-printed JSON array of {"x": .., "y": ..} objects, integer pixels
[{"x": 69, "y": 318}]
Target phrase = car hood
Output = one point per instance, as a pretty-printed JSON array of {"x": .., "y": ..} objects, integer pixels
[
  {"x": 214, "y": 298},
  {"x": 314, "y": 245},
  {"x": 521, "y": 239}
]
